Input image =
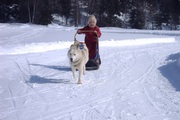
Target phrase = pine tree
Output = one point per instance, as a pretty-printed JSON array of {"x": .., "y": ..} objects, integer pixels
[
  {"x": 174, "y": 13},
  {"x": 66, "y": 8},
  {"x": 44, "y": 13},
  {"x": 3, "y": 12},
  {"x": 124, "y": 9},
  {"x": 151, "y": 11},
  {"x": 108, "y": 12},
  {"x": 9, "y": 10},
  {"x": 140, "y": 14},
  {"x": 137, "y": 15},
  {"x": 75, "y": 12}
]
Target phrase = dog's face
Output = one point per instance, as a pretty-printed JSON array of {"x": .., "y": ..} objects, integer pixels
[{"x": 74, "y": 54}]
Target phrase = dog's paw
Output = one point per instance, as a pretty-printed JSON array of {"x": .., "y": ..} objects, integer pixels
[
  {"x": 79, "y": 82},
  {"x": 74, "y": 76}
]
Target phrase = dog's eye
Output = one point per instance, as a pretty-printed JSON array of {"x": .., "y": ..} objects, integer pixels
[{"x": 74, "y": 54}]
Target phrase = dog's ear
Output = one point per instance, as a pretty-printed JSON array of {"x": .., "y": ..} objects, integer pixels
[
  {"x": 71, "y": 47},
  {"x": 77, "y": 47}
]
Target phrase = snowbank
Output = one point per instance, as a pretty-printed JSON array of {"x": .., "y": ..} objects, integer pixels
[
  {"x": 142, "y": 81},
  {"x": 134, "y": 42},
  {"x": 34, "y": 48},
  {"x": 43, "y": 47},
  {"x": 136, "y": 31}
]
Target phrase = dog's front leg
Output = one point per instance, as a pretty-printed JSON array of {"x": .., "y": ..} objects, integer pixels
[
  {"x": 84, "y": 70},
  {"x": 80, "y": 76},
  {"x": 74, "y": 72}
]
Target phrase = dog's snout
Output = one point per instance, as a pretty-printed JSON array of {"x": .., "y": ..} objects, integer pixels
[{"x": 71, "y": 59}]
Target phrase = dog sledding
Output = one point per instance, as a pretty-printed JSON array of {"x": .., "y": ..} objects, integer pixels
[
  {"x": 93, "y": 63},
  {"x": 78, "y": 55},
  {"x": 85, "y": 55}
]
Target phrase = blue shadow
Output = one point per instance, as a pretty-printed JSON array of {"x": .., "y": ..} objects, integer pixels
[
  {"x": 171, "y": 71},
  {"x": 42, "y": 80},
  {"x": 60, "y": 68}
]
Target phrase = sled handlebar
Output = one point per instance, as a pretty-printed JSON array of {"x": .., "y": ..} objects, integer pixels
[{"x": 84, "y": 31}]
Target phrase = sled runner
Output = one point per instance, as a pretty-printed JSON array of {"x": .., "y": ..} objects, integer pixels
[{"x": 93, "y": 64}]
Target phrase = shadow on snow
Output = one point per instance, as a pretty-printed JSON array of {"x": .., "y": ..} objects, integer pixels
[
  {"x": 171, "y": 70},
  {"x": 42, "y": 80},
  {"x": 60, "y": 68}
]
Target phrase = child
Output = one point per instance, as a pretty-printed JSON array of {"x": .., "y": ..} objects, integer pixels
[{"x": 91, "y": 32}]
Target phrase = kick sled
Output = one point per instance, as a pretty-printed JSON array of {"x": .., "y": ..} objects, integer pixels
[{"x": 93, "y": 64}]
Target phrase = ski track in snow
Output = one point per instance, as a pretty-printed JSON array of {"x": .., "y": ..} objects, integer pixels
[
  {"x": 128, "y": 86},
  {"x": 100, "y": 106}
]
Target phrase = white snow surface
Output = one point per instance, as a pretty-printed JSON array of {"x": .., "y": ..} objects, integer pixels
[{"x": 139, "y": 78}]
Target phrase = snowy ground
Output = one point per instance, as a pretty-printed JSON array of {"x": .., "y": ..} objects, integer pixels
[{"x": 139, "y": 78}]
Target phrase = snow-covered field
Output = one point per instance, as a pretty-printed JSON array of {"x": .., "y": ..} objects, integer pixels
[{"x": 139, "y": 78}]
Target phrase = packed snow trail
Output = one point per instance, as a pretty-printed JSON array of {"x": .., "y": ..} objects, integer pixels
[
  {"x": 40, "y": 86},
  {"x": 134, "y": 82}
]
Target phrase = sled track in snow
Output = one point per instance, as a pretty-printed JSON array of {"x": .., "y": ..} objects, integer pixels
[
  {"x": 97, "y": 98},
  {"x": 102, "y": 90},
  {"x": 92, "y": 108}
]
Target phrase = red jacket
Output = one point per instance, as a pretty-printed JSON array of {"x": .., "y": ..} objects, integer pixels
[
  {"x": 91, "y": 36},
  {"x": 91, "y": 39}
]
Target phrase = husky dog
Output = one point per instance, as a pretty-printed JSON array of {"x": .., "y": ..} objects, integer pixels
[{"x": 78, "y": 56}]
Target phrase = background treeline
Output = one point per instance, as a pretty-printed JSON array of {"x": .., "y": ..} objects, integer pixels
[{"x": 139, "y": 14}]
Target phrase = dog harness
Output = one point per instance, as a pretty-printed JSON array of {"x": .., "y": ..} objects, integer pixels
[{"x": 81, "y": 46}]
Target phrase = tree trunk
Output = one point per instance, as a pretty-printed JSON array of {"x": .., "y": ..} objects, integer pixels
[{"x": 29, "y": 12}]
